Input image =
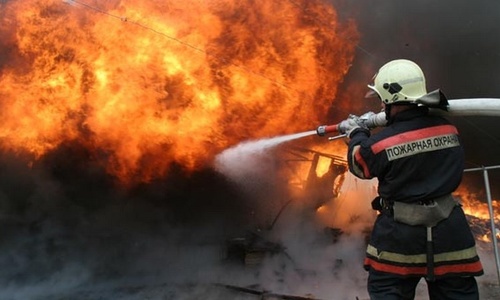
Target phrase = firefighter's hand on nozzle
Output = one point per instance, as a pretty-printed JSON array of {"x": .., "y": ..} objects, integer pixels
[
  {"x": 350, "y": 124},
  {"x": 368, "y": 121},
  {"x": 367, "y": 116}
]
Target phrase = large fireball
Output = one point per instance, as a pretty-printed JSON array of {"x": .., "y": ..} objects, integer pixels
[{"x": 143, "y": 84}]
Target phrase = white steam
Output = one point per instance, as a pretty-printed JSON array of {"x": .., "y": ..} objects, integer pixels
[{"x": 252, "y": 158}]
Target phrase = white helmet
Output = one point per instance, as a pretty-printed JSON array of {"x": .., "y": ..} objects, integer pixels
[{"x": 399, "y": 80}]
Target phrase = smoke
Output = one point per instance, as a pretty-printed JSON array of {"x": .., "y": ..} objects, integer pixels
[
  {"x": 66, "y": 227},
  {"x": 69, "y": 231}
]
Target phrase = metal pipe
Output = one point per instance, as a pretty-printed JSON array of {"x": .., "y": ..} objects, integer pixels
[
  {"x": 337, "y": 137},
  {"x": 491, "y": 212},
  {"x": 482, "y": 168},
  {"x": 492, "y": 221}
]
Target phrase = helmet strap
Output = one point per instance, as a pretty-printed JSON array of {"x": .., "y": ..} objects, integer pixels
[{"x": 387, "y": 109}]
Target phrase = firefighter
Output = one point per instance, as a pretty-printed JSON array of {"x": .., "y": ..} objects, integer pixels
[{"x": 418, "y": 159}]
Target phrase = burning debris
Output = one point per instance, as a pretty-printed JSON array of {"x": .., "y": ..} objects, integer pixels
[
  {"x": 121, "y": 107},
  {"x": 479, "y": 217},
  {"x": 251, "y": 249},
  {"x": 312, "y": 192}
]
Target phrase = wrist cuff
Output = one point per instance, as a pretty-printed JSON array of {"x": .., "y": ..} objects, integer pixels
[{"x": 359, "y": 130}]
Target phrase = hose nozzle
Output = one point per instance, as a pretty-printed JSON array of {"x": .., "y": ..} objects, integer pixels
[
  {"x": 367, "y": 120},
  {"x": 325, "y": 129}
]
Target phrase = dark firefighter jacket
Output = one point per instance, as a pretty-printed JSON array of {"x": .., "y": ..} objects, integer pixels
[{"x": 417, "y": 157}]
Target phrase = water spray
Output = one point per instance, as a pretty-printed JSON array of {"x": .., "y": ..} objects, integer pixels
[{"x": 248, "y": 157}]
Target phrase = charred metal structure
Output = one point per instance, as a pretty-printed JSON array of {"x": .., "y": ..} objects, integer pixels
[{"x": 251, "y": 247}]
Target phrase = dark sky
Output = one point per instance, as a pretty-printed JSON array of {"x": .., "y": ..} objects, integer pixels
[{"x": 454, "y": 41}]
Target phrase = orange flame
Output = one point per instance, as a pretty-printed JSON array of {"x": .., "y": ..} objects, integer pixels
[
  {"x": 145, "y": 84},
  {"x": 478, "y": 209},
  {"x": 472, "y": 206}
]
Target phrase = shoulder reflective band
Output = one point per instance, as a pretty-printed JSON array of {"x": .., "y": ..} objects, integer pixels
[{"x": 418, "y": 141}]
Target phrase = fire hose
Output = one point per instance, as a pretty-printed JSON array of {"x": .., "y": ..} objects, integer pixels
[{"x": 452, "y": 107}]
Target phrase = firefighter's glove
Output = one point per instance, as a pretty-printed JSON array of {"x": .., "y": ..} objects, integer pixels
[
  {"x": 372, "y": 120},
  {"x": 350, "y": 124}
]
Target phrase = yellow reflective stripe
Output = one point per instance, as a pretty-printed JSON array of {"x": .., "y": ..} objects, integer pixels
[
  {"x": 464, "y": 254},
  {"x": 396, "y": 257}
]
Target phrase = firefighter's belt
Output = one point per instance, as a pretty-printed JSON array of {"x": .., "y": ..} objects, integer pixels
[{"x": 428, "y": 214}]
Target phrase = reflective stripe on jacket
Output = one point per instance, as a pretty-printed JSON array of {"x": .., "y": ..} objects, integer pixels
[{"x": 400, "y": 249}]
